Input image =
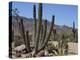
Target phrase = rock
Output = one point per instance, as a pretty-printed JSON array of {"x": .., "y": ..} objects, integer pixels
[{"x": 20, "y": 48}]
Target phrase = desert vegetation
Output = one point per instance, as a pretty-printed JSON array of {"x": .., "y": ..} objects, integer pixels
[{"x": 44, "y": 40}]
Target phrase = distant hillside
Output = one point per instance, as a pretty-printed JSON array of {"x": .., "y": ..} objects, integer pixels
[{"x": 28, "y": 24}]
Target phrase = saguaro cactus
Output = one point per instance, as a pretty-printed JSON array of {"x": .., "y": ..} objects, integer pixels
[
  {"x": 22, "y": 29},
  {"x": 39, "y": 26},
  {"x": 41, "y": 32},
  {"x": 74, "y": 30},
  {"x": 35, "y": 22},
  {"x": 25, "y": 36}
]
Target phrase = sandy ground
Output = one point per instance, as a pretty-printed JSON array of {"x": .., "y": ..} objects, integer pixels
[{"x": 73, "y": 47}]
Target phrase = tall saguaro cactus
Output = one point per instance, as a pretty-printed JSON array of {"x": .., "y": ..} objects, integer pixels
[
  {"x": 35, "y": 22},
  {"x": 39, "y": 26},
  {"x": 42, "y": 31}
]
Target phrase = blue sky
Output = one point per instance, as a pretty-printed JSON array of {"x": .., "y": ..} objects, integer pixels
[{"x": 64, "y": 14}]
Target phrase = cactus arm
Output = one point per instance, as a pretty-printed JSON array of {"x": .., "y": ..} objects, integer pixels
[
  {"x": 41, "y": 33},
  {"x": 54, "y": 33},
  {"x": 20, "y": 29},
  {"x": 23, "y": 33},
  {"x": 45, "y": 31},
  {"x": 28, "y": 41},
  {"x": 41, "y": 36}
]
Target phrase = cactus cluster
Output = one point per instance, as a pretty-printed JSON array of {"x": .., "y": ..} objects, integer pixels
[{"x": 40, "y": 35}]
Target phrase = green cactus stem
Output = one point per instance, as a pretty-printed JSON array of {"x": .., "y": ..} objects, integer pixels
[
  {"x": 54, "y": 33},
  {"x": 23, "y": 33},
  {"x": 28, "y": 41},
  {"x": 44, "y": 31},
  {"x": 39, "y": 26},
  {"x": 35, "y": 22}
]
